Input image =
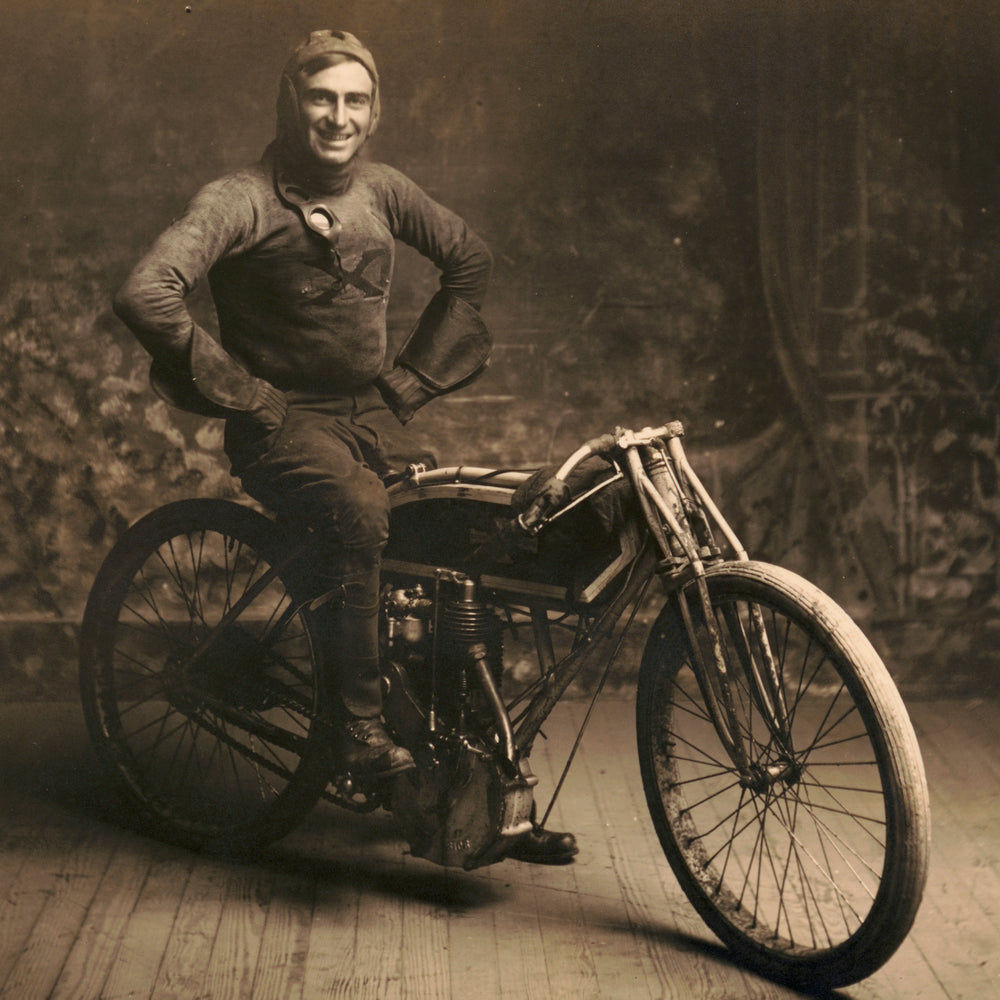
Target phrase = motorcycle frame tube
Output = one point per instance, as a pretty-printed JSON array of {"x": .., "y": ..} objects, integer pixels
[
  {"x": 570, "y": 666},
  {"x": 473, "y": 483},
  {"x": 489, "y": 485},
  {"x": 497, "y": 486}
]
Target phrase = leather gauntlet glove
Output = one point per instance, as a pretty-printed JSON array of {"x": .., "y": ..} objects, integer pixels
[
  {"x": 212, "y": 383},
  {"x": 267, "y": 407},
  {"x": 448, "y": 348},
  {"x": 403, "y": 392}
]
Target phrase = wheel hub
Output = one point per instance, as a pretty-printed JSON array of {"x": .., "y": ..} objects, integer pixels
[
  {"x": 231, "y": 670},
  {"x": 762, "y": 777}
]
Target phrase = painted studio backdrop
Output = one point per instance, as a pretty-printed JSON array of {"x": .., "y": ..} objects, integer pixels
[{"x": 777, "y": 221}]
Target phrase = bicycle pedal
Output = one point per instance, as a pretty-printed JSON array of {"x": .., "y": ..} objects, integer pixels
[{"x": 343, "y": 791}]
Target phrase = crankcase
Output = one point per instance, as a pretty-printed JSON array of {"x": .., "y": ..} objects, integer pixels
[{"x": 466, "y": 812}]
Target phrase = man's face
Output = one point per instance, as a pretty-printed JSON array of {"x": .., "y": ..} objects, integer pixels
[{"x": 336, "y": 104}]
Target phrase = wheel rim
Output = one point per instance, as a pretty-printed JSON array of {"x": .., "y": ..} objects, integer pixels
[
  {"x": 207, "y": 718},
  {"x": 791, "y": 855}
]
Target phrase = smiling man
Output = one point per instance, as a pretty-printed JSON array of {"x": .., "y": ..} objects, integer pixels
[
  {"x": 337, "y": 104},
  {"x": 298, "y": 250}
]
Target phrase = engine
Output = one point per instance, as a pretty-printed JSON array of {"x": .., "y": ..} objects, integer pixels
[
  {"x": 469, "y": 797},
  {"x": 435, "y": 652}
]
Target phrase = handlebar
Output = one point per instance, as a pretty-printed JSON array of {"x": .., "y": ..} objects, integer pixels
[
  {"x": 556, "y": 491},
  {"x": 552, "y": 496}
]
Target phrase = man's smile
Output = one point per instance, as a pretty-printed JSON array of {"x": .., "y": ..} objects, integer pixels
[{"x": 336, "y": 107}]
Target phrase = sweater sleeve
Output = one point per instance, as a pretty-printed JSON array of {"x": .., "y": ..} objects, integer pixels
[
  {"x": 442, "y": 236},
  {"x": 151, "y": 302},
  {"x": 189, "y": 368}
]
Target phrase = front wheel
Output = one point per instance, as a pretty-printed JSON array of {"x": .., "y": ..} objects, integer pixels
[{"x": 808, "y": 861}]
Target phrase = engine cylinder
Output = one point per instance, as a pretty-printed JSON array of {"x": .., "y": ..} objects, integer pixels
[{"x": 466, "y": 622}]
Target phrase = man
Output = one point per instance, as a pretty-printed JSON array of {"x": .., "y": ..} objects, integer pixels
[{"x": 298, "y": 251}]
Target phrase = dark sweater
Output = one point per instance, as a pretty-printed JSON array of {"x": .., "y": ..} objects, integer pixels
[{"x": 294, "y": 310}]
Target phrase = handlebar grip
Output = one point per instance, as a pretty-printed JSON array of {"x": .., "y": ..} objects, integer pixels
[
  {"x": 529, "y": 519},
  {"x": 552, "y": 496}
]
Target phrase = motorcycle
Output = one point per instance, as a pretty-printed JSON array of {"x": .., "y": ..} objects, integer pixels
[{"x": 780, "y": 769}]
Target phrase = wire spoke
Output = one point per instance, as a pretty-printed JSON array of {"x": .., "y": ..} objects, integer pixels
[
  {"x": 791, "y": 849},
  {"x": 207, "y": 684}
]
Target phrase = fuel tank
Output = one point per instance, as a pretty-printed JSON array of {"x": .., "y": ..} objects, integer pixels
[{"x": 461, "y": 519}]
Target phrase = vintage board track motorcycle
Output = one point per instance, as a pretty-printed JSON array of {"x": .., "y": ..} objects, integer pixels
[{"x": 780, "y": 768}]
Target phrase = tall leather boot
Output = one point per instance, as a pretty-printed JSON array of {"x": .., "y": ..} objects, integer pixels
[{"x": 366, "y": 749}]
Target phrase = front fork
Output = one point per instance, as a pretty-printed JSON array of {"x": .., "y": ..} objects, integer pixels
[
  {"x": 714, "y": 668},
  {"x": 672, "y": 498}
]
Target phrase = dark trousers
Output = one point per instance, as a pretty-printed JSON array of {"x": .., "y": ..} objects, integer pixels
[{"x": 319, "y": 472}]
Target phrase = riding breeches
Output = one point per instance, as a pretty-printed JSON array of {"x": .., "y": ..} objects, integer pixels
[{"x": 316, "y": 472}]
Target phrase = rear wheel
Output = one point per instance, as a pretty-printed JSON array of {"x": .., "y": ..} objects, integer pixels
[
  {"x": 810, "y": 864},
  {"x": 200, "y": 678}
]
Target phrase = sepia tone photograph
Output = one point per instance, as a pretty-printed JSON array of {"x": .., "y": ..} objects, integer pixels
[{"x": 500, "y": 500}]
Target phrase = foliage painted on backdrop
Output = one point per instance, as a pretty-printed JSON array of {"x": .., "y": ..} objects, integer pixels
[
  {"x": 627, "y": 290},
  {"x": 85, "y": 446}
]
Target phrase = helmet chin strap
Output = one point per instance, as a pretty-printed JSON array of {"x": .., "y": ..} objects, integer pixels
[{"x": 297, "y": 166}]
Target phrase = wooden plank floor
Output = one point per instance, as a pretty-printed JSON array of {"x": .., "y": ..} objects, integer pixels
[{"x": 91, "y": 911}]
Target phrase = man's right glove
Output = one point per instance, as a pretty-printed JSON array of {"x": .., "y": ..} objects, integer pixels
[
  {"x": 267, "y": 407},
  {"x": 214, "y": 384}
]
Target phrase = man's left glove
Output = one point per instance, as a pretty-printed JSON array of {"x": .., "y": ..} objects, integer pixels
[
  {"x": 403, "y": 392},
  {"x": 448, "y": 348}
]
